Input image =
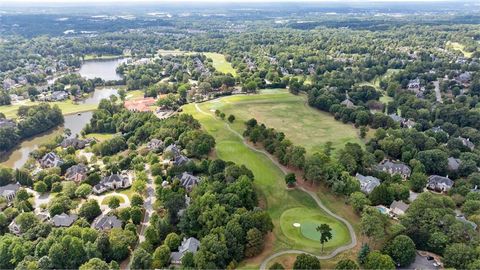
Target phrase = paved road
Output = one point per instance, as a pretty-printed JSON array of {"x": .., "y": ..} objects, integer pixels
[
  {"x": 312, "y": 194},
  {"x": 147, "y": 204}
]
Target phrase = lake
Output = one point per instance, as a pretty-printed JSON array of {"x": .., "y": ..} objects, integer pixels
[
  {"x": 104, "y": 69},
  {"x": 19, "y": 155}
]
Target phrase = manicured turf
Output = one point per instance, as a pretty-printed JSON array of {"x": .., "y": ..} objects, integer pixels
[
  {"x": 134, "y": 94},
  {"x": 221, "y": 64},
  {"x": 100, "y": 136},
  {"x": 269, "y": 180},
  {"x": 67, "y": 107},
  {"x": 307, "y": 234},
  {"x": 107, "y": 199},
  {"x": 288, "y": 113}
]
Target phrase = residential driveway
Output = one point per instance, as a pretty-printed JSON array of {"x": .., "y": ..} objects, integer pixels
[
  {"x": 40, "y": 199},
  {"x": 148, "y": 204},
  {"x": 421, "y": 263}
]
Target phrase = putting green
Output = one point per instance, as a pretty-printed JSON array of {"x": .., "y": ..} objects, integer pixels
[{"x": 309, "y": 220}]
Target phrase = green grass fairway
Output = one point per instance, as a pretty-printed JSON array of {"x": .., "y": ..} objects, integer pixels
[
  {"x": 221, "y": 64},
  {"x": 269, "y": 180},
  {"x": 307, "y": 234},
  {"x": 67, "y": 107},
  {"x": 288, "y": 113}
]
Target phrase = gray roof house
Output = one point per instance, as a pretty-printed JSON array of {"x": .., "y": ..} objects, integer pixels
[
  {"x": 51, "y": 160},
  {"x": 14, "y": 228},
  {"x": 106, "y": 222},
  {"x": 188, "y": 245},
  {"x": 59, "y": 95},
  {"x": 367, "y": 183},
  {"x": 395, "y": 117},
  {"x": 466, "y": 142},
  {"x": 465, "y": 221},
  {"x": 188, "y": 181},
  {"x": 439, "y": 183},
  {"x": 398, "y": 208},
  {"x": 73, "y": 142},
  {"x": 76, "y": 173},
  {"x": 348, "y": 103},
  {"x": 453, "y": 163},
  {"x": 64, "y": 220},
  {"x": 7, "y": 123},
  {"x": 9, "y": 191},
  {"x": 113, "y": 181},
  {"x": 394, "y": 168},
  {"x": 173, "y": 148},
  {"x": 180, "y": 160},
  {"x": 155, "y": 145}
]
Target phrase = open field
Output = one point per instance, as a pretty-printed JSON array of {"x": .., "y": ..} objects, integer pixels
[
  {"x": 134, "y": 94},
  {"x": 269, "y": 179},
  {"x": 220, "y": 63},
  {"x": 67, "y": 107},
  {"x": 459, "y": 47},
  {"x": 100, "y": 136},
  {"x": 288, "y": 113}
]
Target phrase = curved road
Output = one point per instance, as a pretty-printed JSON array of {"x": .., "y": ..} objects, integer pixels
[{"x": 314, "y": 196}]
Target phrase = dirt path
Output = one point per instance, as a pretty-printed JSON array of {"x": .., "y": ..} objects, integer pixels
[{"x": 312, "y": 194}]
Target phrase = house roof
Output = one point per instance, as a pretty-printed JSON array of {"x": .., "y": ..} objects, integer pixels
[
  {"x": 396, "y": 117},
  {"x": 453, "y": 163},
  {"x": 189, "y": 245},
  {"x": 400, "y": 205},
  {"x": 64, "y": 220},
  {"x": 154, "y": 144},
  {"x": 367, "y": 183},
  {"x": 348, "y": 103},
  {"x": 51, "y": 159},
  {"x": 76, "y": 169},
  {"x": 438, "y": 180},
  {"x": 188, "y": 181},
  {"x": 174, "y": 149},
  {"x": 394, "y": 167},
  {"x": 106, "y": 222},
  {"x": 9, "y": 189},
  {"x": 466, "y": 142}
]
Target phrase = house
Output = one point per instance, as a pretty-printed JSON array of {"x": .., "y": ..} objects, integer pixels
[
  {"x": 188, "y": 181},
  {"x": 398, "y": 208},
  {"x": 8, "y": 83},
  {"x": 9, "y": 191},
  {"x": 348, "y": 103},
  {"x": 7, "y": 123},
  {"x": 414, "y": 85},
  {"x": 409, "y": 123},
  {"x": 437, "y": 129},
  {"x": 464, "y": 78},
  {"x": 73, "y": 142},
  {"x": 180, "y": 160},
  {"x": 466, "y": 142},
  {"x": 64, "y": 220},
  {"x": 106, "y": 222},
  {"x": 394, "y": 168},
  {"x": 76, "y": 173},
  {"x": 14, "y": 228},
  {"x": 58, "y": 96},
  {"x": 396, "y": 118},
  {"x": 367, "y": 183},
  {"x": 188, "y": 245},
  {"x": 465, "y": 221},
  {"x": 155, "y": 145},
  {"x": 112, "y": 182},
  {"x": 439, "y": 183},
  {"x": 50, "y": 160},
  {"x": 173, "y": 149},
  {"x": 453, "y": 163}
]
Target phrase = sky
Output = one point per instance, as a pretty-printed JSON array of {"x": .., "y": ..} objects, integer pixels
[{"x": 212, "y": 1}]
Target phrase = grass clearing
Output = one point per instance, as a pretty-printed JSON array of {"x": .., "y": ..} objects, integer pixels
[
  {"x": 67, "y": 107},
  {"x": 134, "y": 94},
  {"x": 459, "y": 47},
  {"x": 221, "y": 64},
  {"x": 269, "y": 179},
  {"x": 277, "y": 108},
  {"x": 100, "y": 136}
]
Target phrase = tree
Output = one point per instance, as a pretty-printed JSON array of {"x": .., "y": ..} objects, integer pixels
[
  {"x": 458, "y": 256},
  {"x": 121, "y": 241},
  {"x": 402, "y": 250},
  {"x": 290, "y": 179},
  {"x": 418, "y": 181},
  {"x": 187, "y": 260},
  {"x": 358, "y": 200},
  {"x": 373, "y": 223},
  {"x": 255, "y": 242},
  {"x": 362, "y": 255},
  {"x": 346, "y": 264},
  {"x": 173, "y": 241},
  {"x": 40, "y": 187},
  {"x": 325, "y": 233},
  {"x": 377, "y": 260},
  {"x": 382, "y": 195},
  {"x": 231, "y": 118},
  {"x": 113, "y": 202},
  {"x": 83, "y": 190},
  {"x": 136, "y": 200},
  {"x": 306, "y": 261},
  {"x": 141, "y": 259},
  {"x": 95, "y": 263},
  {"x": 161, "y": 257},
  {"x": 276, "y": 266},
  {"x": 136, "y": 215},
  {"x": 90, "y": 210},
  {"x": 435, "y": 161}
]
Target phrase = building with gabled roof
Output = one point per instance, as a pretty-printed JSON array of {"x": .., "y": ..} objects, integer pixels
[
  {"x": 51, "y": 160},
  {"x": 188, "y": 181},
  {"x": 64, "y": 220},
  {"x": 191, "y": 244},
  {"x": 106, "y": 222},
  {"x": 76, "y": 173},
  {"x": 367, "y": 183},
  {"x": 394, "y": 168},
  {"x": 439, "y": 183}
]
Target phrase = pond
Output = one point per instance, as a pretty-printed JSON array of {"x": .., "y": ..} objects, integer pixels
[
  {"x": 19, "y": 155},
  {"x": 99, "y": 94},
  {"x": 104, "y": 69}
]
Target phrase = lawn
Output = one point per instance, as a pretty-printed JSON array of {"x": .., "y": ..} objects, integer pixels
[
  {"x": 269, "y": 179},
  {"x": 107, "y": 199},
  {"x": 67, "y": 107},
  {"x": 135, "y": 94},
  {"x": 100, "y": 136},
  {"x": 459, "y": 47},
  {"x": 288, "y": 113},
  {"x": 305, "y": 233},
  {"x": 220, "y": 63}
]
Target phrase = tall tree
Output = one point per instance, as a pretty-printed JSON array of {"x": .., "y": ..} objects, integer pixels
[{"x": 325, "y": 233}]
